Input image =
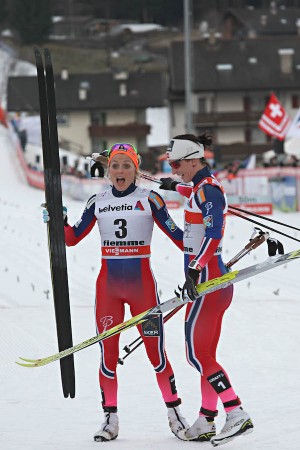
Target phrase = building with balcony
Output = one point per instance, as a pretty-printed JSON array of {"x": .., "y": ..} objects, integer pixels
[
  {"x": 95, "y": 110},
  {"x": 231, "y": 84}
]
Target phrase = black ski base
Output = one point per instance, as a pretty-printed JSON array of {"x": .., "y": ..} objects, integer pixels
[{"x": 56, "y": 238}]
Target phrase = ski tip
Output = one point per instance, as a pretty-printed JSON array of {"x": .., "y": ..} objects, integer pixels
[
  {"x": 26, "y": 365},
  {"x": 29, "y": 360}
]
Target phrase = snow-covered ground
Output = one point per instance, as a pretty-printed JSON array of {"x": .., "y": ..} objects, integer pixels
[{"x": 258, "y": 347}]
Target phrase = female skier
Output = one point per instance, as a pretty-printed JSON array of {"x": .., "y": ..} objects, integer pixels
[
  {"x": 125, "y": 214},
  {"x": 205, "y": 217}
]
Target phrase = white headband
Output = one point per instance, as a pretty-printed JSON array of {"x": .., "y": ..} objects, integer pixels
[{"x": 184, "y": 149}]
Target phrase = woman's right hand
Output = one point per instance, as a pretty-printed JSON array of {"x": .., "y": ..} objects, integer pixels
[{"x": 168, "y": 184}]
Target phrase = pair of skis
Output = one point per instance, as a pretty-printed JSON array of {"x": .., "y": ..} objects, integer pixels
[
  {"x": 202, "y": 289},
  {"x": 55, "y": 227}
]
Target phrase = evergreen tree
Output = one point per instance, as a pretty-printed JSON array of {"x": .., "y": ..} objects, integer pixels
[{"x": 32, "y": 19}]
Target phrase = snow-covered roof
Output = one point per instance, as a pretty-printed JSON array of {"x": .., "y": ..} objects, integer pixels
[{"x": 136, "y": 28}]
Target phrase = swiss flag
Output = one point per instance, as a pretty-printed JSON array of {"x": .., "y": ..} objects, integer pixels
[{"x": 275, "y": 121}]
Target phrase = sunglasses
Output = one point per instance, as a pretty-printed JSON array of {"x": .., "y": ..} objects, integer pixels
[
  {"x": 122, "y": 147},
  {"x": 176, "y": 164}
]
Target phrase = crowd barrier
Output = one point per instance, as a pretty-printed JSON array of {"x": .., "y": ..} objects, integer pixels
[
  {"x": 83, "y": 188},
  {"x": 257, "y": 190},
  {"x": 276, "y": 186}
]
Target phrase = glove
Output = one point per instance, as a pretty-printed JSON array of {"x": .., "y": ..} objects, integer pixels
[
  {"x": 168, "y": 184},
  {"x": 274, "y": 246},
  {"x": 97, "y": 169},
  {"x": 46, "y": 217},
  {"x": 189, "y": 292}
]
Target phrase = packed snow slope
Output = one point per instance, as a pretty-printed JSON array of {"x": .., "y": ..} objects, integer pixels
[{"x": 258, "y": 347}]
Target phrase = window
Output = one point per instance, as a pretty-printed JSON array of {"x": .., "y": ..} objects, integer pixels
[
  {"x": 62, "y": 119},
  {"x": 295, "y": 101},
  {"x": 202, "y": 105},
  {"x": 98, "y": 145},
  {"x": 98, "y": 118},
  {"x": 258, "y": 136},
  {"x": 247, "y": 103},
  {"x": 248, "y": 135},
  {"x": 257, "y": 103}
]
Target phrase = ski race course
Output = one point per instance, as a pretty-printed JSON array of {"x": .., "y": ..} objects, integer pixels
[{"x": 258, "y": 347}]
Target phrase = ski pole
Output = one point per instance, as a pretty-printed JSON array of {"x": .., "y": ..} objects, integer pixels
[
  {"x": 252, "y": 244},
  {"x": 262, "y": 225},
  {"x": 264, "y": 218},
  {"x": 128, "y": 348}
]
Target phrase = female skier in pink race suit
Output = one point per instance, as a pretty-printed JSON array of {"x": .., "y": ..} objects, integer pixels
[{"x": 125, "y": 214}]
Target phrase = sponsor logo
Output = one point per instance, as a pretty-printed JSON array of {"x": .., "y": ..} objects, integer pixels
[
  {"x": 139, "y": 206},
  {"x": 151, "y": 327},
  {"x": 208, "y": 221},
  {"x": 106, "y": 321},
  {"x": 116, "y": 251},
  {"x": 208, "y": 207},
  {"x": 220, "y": 375},
  {"x": 187, "y": 230},
  {"x": 219, "y": 382},
  {"x": 239, "y": 422},
  {"x": 116, "y": 208},
  {"x": 244, "y": 199},
  {"x": 172, "y": 384},
  {"x": 188, "y": 249},
  {"x": 107, "y": 243},
  {"x": 171, "y": 225}
]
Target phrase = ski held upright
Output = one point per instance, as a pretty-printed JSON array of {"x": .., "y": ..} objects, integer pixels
[{"x": 55, "y": 227}]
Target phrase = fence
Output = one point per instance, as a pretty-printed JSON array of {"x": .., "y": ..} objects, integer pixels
[{"x": 258, "y": 190}]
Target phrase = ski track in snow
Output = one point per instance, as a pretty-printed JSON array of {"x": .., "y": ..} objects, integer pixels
[{"x": 258, "y": 346}]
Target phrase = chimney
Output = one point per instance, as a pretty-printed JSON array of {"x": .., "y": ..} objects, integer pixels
[
  {"x": 83, "y": 90},
  {"x": 122, "y": 75},
  {"x": 273, "y": 8},
  {"x": 123, "y": 90},
  {"x": 286, "y": 60},
  {"x": 263, "y": 20},
  {"x": 82, "y": 94},
  {"x": 64, "y": 74}
]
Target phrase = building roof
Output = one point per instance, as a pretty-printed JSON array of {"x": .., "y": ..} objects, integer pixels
[
  {"x": 103, "y": 91},
  {"x": 265, "y": 22},
  {"x": 230, "y": 65}
]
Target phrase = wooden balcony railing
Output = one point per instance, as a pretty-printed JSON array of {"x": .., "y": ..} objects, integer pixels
[
  {"x": 131, "y": 129},
  {"x": 215, "y": 118}
]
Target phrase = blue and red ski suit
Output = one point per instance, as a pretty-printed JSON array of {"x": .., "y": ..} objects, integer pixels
[{"x": 125, "y": 221}]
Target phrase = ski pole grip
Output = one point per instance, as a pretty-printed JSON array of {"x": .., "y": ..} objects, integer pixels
[{"x": 261, "y": 239}]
